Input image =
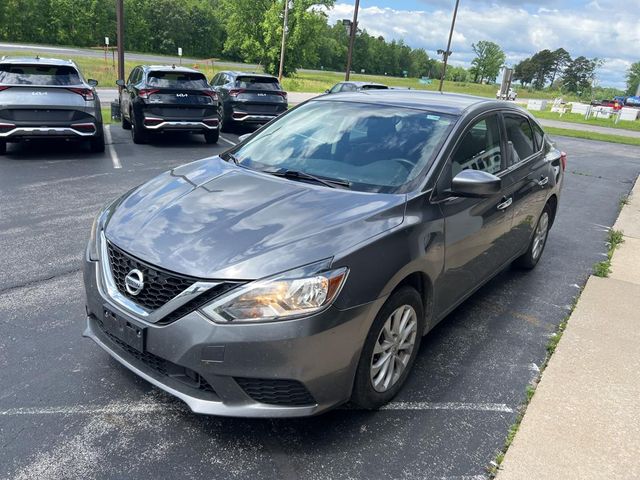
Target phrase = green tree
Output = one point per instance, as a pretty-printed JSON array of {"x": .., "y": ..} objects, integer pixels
[
  {"x": 489, "y": 59},
  {"x": 633, "y": 78},
  {"x": 561, "y": 59},
  {"x": 543, "y": 63},
  {"x": 579, "y": 75},
  {"x": 524, "y": 72}
]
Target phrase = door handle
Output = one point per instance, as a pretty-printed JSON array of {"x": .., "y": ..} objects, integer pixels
[
  {"x": 505, "y": 204},
  {"x": 543, "y": 181}
]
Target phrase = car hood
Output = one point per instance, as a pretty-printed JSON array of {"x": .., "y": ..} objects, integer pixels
[{"x": 212, "y": 219}]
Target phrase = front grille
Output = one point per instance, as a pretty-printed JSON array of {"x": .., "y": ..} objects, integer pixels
[
  {"x": 160, "y": 286},
  {"x": 163, "y": 367},
  {"x": 276, "y": 392}
]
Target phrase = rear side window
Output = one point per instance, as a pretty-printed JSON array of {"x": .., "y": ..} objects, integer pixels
[
  {"x": 375, "y": 87},
  {"x": 258, "y": 83},
  {"x": 519, "y": 137},
  {"x": 182, "y": 80},
  {"x": 479, "y": 148},
  {"x": 17, "y": 74}
]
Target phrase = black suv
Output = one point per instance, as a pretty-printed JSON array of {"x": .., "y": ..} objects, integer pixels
[
  {"x": 160, "y": 98},
  {"x": 47, "y": 98},
  {"x": 248, "y": 98}
]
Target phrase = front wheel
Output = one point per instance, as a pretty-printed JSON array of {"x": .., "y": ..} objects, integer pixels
[
  {"x": 389, "y": 350},
  {"x": 531, "y": 257}
]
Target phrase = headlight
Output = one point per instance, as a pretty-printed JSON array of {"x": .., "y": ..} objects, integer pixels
[
  {"x": 295, "y": 293},
  {"x": 98, "y": 225}
]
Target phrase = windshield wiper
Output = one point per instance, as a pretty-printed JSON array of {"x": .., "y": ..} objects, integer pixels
[
  {"x": 232, "y": 157},
  {"x": 296, "y": 174}
]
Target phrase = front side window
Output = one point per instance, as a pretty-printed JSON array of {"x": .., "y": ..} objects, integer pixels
[
  {"x": 479, "y": 148},
  {"x": 519, "y": 137},
  {"x": 18, "y": 74},
  {"x": 374, "y": 148},
  {"x": 348, "y": 87},
  {"x": 336, "y": 88},
  {"x": 180, "y": 80}
]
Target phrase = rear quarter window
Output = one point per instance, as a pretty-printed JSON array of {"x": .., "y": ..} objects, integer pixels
[
  {"x": 17, "y": 74},
  {"x": 181, "y": 80}
]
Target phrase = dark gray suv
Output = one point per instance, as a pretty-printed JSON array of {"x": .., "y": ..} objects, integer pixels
[
  {"x": 301, "y": 268},
  {"x": 48, "y": 98}
]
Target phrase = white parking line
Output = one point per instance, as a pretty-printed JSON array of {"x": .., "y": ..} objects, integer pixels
[
  {"x": 125, "y": 408},
  {"x": 112, "y": 150},
  {"x": 233, "y": 144}
]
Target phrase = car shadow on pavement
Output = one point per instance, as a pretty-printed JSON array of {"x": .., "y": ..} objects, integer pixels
[{"x": 50, "y": 150}]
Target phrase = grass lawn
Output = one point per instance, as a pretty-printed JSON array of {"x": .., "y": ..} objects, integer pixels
[
  {"x": 602, "y": 137},
  {"x": 577, "y": 118}
]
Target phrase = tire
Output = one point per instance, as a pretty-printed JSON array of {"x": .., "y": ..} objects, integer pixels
[
  {"x": 539, "y": 240},
  {"x": 96, "y": 144},
  {"x": 212, "y": 136},
  {"x": 3, "y": 147},
  {"x": 126, "y": 124},
  {"x": 365, "y": 394},
  {"x": 226, "y": 124},
  {"x": 138, "y": 135}
]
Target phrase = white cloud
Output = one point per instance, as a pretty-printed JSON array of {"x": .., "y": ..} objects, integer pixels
[{"x": 607, "y": 29}]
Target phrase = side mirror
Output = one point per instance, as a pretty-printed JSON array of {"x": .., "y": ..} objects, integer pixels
[
  {"x": 242, "y": 138},
  {"x": 326, "y": 91},
  {"x": 92, "y": 82},
  {"x": 475, "y": 183},
  {"x": 120, "y": 83}
]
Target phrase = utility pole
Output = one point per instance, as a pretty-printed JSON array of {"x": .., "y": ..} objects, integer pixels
[
  {"x": 284, "y": 37},
  {"x": 447, "y": 52},
  {"x": 120, "y": 34},
  {"x": 352, "y": 39}
]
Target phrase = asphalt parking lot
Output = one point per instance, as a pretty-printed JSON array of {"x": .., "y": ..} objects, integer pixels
[{"x": 67, "y": 410}]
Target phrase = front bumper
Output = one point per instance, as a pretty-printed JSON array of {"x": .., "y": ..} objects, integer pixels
[{"x": 223, "y": 364}]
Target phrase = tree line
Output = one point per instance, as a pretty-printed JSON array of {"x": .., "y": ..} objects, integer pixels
[{"x": 251, "y": 30}]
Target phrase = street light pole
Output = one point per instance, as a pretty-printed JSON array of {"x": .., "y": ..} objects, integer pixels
[
  {"x": 120, "y": 34},
  {"x": 352, "y": 38},
  {"x": 284, "y": 36},
  {"x": 447, "y": 52}
]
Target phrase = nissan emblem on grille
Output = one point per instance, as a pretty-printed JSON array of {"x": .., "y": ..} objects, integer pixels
[{"x": 134, "y": 281}]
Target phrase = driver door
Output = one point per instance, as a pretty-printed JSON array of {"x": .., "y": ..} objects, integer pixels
[{"x": 475, "y": 228}]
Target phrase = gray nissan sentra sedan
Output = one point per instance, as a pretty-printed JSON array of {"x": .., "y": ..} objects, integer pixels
[{"x": 300, "y": 269}]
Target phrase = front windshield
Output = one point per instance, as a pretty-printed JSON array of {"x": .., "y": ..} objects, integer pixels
[{"x": 373, "y": 147}]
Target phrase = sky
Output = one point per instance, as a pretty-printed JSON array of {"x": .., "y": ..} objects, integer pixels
[{"x": 607, "y": 29}]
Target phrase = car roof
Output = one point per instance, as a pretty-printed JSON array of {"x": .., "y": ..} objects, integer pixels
[
  {"x": 249, "y": 74},
  {"x": 361, "y": 84},
  {"x": 451, "y": 103},
  {"x": 170, "y": 68},
  {"x": 37, "y": 61}
]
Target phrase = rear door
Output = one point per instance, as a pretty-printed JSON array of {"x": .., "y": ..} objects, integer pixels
[
  {"x": 179, "y": 95},
  {"x": 528, "y": 177},
  {"x": 43, "y": 95},
  {"x": 475, "y": 228},
  {"x": 258, "y": 95}
]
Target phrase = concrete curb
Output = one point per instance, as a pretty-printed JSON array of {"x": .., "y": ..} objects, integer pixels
[{"x": 584, "y": 419}]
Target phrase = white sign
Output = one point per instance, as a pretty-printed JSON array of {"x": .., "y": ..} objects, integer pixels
[
  {"x": 179, "y": 51},
  {"x": 106, "y": 41}
]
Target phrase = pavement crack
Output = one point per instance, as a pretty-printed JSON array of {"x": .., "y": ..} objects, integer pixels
[{"x": 36, "y": 281}]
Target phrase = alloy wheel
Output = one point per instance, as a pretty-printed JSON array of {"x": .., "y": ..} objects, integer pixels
[
  {"x": 540, "y": 235},
  {"x": 394, "y": 346}
]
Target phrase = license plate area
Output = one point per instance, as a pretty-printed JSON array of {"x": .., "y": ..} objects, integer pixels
[{"x": 127, "y": 331}]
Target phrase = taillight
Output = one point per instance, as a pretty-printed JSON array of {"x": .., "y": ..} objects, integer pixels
[
  {"x": 152, "y": 121},
  {"x": 235, "y": 92},
  {"x": 210, "y": 93},
  {"x": 84, "y": 127},
  {"x": 86, "y": 93},
  {"x": 6, "y": 127},
  {"x": 282, "y": 94},
  {"x": 3, "y": 88},
  {"x": 146, "y": 93},
  {"x": 563, "y": 160}
]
